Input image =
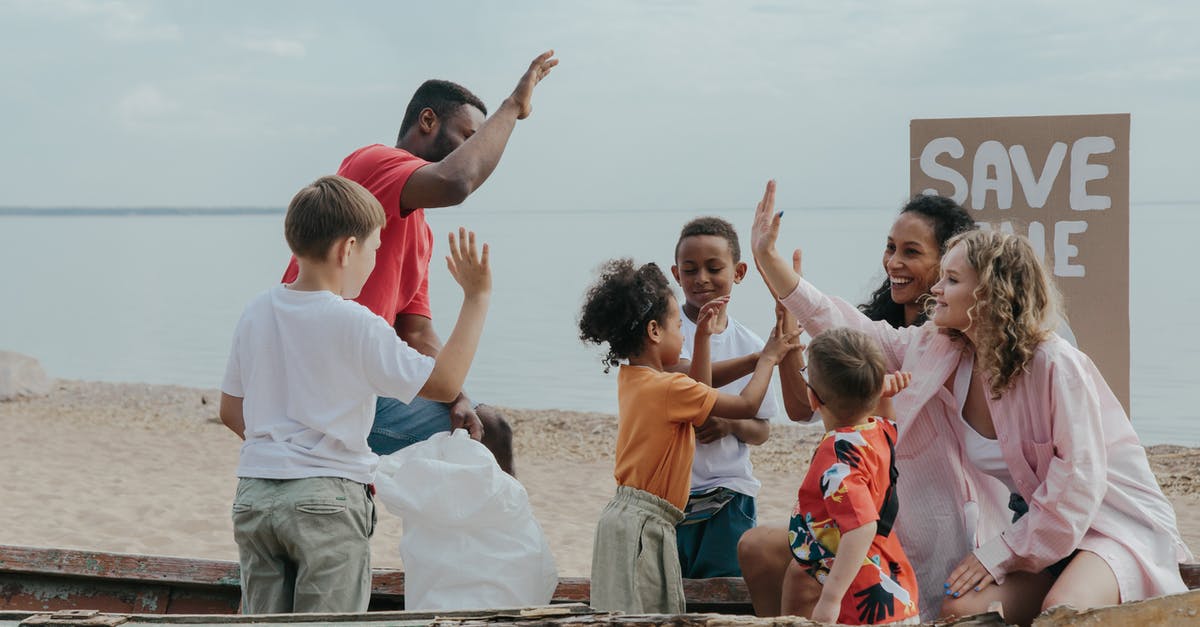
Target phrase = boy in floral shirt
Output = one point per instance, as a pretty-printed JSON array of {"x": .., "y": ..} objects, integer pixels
[{"x": 840, "y": 531}]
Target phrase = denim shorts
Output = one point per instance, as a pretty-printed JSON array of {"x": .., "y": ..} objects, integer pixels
[{"x": 399, "y": 424}]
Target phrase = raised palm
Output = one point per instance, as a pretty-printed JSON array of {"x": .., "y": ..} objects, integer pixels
[{"x": 523, "y": 94}]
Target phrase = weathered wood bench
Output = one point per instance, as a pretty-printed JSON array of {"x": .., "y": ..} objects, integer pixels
[{"x": 37, "y": 579}]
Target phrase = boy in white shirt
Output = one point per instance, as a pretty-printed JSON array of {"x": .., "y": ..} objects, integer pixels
[
  {"x": 721, "y": 504},
  {"x": 304, "y": 372}
]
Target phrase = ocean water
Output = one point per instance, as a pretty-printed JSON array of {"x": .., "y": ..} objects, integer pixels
[{"x": 154, "y": 298}]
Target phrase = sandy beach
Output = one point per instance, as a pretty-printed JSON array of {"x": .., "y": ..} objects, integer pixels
[{"x": 149, "y": 469}]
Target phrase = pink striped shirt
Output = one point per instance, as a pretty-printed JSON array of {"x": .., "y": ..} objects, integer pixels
[{"x": 1069, "y": 446}]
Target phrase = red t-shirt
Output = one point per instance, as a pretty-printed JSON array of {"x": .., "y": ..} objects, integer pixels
[{"x": 400, "y": 282}]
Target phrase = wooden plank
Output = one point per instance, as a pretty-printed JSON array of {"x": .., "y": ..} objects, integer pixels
[
  {"x": 387, "y": 586},
  {"x": 1176, "y": 609},
  {"x": 56, "y": 593},
  {"x": 390, "y": 619},
  {"x": 117, "y": 566},
  {"x": 51, "y": 579}
]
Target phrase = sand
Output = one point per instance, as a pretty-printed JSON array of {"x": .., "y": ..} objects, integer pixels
[{"x": 149, "y": 469}]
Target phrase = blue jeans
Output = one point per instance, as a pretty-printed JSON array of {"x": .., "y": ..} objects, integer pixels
[{"x": 398, "y": 424}]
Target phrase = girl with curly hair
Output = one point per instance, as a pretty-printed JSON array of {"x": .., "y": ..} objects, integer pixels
[
  {"x": 635, "y": 561},
  {"x": 1000, "y": 404}
]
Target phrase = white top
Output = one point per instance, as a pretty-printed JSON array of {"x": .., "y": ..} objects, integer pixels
[
  {"x": 983, "y": 452},
  {"x": 986, "y": 455},
  {"x": 726, "y": 462},
  {"x": 309, "y": 366}
]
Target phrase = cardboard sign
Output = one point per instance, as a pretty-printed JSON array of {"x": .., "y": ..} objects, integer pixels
[{"x": 1061, "y": 181}]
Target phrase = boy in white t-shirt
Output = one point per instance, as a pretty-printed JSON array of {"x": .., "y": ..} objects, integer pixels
[
  {"x": 304, "y": 372},
  {"x": 721, "y": 504}
]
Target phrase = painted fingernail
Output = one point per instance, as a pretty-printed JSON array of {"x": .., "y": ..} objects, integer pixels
[
  {"x": 956, "y": 595},
  {"x": 948, "y": 593},
  {"x": 945, "y": 585},
  {"x": 977, "y": 588},
  {"x": 779, "y": 215}
]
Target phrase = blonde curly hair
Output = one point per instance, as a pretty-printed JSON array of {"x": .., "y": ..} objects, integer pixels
[{"x": 1017, "y": 306}]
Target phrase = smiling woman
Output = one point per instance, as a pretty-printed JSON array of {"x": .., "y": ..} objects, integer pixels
[
  {"x": 914, "y": 248},
  {"x": 1001, "y": 405}
]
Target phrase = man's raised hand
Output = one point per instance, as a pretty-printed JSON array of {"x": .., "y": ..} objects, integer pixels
[{"x": 522, "y": 96}]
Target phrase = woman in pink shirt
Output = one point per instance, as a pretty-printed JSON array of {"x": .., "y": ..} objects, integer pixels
[{"x": 1001, "y": 404}]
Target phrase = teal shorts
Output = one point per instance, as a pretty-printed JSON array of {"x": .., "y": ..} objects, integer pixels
[{"x": 708, "y": 548}]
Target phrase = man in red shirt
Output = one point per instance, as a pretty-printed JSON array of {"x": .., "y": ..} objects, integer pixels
[{"x": 445, "y": 150}]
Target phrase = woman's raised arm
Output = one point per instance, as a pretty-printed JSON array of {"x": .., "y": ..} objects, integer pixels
[{"x": 815, "y": 311}]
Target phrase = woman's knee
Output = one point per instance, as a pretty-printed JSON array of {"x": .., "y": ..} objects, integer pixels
[
  {"x": 763, "y": 552},
  {"x": 961, "y": 606},
  {"x": 751, "y": 548},
  {"x": 1087, "y": 582}
]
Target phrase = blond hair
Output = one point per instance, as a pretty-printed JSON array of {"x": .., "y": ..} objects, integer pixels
[
  {"x": 846, "y": 370},
  {"x": 1016, "y": 305},
  {"x": 327, "y": 210}
]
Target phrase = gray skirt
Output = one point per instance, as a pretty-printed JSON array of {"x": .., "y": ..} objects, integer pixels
[{"x": 635, "y": 561}]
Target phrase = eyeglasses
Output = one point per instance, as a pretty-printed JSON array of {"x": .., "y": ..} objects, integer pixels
[{"x": 809, "y": 385}]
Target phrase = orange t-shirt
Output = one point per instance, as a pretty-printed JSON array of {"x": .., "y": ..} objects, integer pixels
[{"x": 655, "y": 440}]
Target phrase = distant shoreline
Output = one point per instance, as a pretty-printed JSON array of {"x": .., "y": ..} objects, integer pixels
[{"x": 70, "y": 212}]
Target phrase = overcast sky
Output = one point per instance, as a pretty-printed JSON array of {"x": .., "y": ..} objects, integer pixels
[{"x": 680, "y": 105}]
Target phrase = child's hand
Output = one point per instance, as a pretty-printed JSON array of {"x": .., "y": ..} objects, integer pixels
[
  {"x": 785, "y": 322},
  {"x": 467, "y": 266},
  {"x": 710, "y": 314},
  {"x": 826, "y": 611},
  {"x": 779, "y": 345},
  {"x": 713, "y": 429},
  {"x": 894, "y": 383}
]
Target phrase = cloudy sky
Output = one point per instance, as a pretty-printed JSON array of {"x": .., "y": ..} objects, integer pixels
[{"x": 662, "y": 104}]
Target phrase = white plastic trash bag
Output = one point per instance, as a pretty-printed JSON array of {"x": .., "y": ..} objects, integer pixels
[{"x": 470, "y": 539}]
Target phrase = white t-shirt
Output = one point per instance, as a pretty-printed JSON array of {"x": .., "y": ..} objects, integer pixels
[
  {"x": 726, "y": 462},
  {"x": 309, "y": 366}
]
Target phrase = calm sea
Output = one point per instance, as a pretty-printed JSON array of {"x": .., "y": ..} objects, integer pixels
[{"x": 154, "y": 298}]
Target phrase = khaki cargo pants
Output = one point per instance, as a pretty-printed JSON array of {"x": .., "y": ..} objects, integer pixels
[
  {"x": 635, "y": 560},
  {"x": 303, "y": 544}
]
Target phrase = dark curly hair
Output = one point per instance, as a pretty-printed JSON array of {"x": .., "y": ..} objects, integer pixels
[
  {"x": 620, "y": 304},
  {"x": 948, "y": 219},
  {"x": 711, "y": 226}
]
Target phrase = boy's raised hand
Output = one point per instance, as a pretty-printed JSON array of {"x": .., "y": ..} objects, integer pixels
[
  {"x": 468, "y": 267},
  {"x": 522, "y": 95},
  {"x": 780, "y": 344},
  {"x": 895, "y": 382},
  {"x": 710, "y": 314}
]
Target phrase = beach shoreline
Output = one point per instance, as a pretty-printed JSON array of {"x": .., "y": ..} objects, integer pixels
[{"x": 149, "y": 469}]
